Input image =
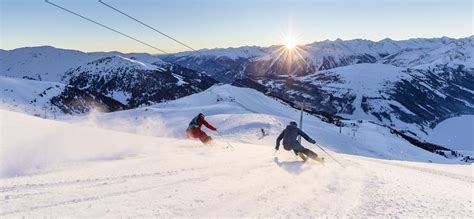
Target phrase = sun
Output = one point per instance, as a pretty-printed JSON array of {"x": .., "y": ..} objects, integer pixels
[{"x": 290, "y": 42}]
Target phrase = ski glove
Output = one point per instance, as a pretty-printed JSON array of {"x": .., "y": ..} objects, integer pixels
[{"x": 312, "y": 141}]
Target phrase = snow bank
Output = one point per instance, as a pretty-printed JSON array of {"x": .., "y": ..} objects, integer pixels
[{"x": 30, "y": 145}]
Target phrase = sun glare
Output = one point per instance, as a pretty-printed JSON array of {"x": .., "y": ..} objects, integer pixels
[
  {"x": 291, "y": 56},
  {"x": 290, "y": 42}
]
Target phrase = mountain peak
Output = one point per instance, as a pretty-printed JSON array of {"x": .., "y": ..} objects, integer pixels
[
  {"x": 117, "y": 61},
  {"x": 387, "y": 40}
]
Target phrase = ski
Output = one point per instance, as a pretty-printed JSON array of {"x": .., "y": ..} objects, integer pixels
[{"x": 305, "y": 158}]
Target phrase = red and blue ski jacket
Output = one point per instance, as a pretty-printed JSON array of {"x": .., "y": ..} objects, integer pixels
[{"x": 198, "y": 121}]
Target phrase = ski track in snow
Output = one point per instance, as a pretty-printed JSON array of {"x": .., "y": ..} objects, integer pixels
[
  {"x": 240, "y": 184},
  {"x": 384, "y": 193}
]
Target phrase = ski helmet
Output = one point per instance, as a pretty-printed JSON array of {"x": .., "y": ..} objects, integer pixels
[{"x": 293, "y": 123}]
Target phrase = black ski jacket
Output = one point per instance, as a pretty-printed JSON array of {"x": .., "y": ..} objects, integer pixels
[{"x": 289, "y": 136}]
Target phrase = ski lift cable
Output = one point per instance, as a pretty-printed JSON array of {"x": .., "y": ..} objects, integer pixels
[
  {"x": 146, "y": 25},
  {"x": 139, "y": 41},
  {"x": 172, "y": 38},
  {"x": 133, "y": 38},
  {"x": 104, "y": 26},
  {"x": 166, "y": 35}
]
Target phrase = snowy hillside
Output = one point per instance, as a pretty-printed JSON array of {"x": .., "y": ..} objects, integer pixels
[
  {"x": 240, "y": 113},
  {"x": 29, "y": 96},
  {"x": 406, "y": 99},
  {"x": 106, "y": 70},
  {"x": 133, "y": 83},
  {"x": 61, "y": 169},
  {"x": 366, "y": 84}
]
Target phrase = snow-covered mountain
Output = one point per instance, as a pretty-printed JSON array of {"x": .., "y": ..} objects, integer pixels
[
  {"x": 447, "y": 52},
  {"x": 328, "y": 54},
  {"x": 409, "y": 84},
  {"x": 134, "y": 83},
  {"x": 108, "y": 81},
  {"x": 46, "y": 63},
  {"x": 411, "y": 99}
]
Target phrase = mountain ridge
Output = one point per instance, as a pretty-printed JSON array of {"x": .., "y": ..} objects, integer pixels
[{"x": 437, "y": 73}]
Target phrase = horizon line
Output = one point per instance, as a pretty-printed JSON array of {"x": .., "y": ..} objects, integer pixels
[{"x": 242, "y": 46}]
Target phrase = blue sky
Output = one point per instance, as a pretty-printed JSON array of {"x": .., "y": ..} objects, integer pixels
[{"x": 228, "y": 23}]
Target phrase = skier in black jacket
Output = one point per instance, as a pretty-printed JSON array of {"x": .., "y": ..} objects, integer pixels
[{"x": 290, "y": 142}]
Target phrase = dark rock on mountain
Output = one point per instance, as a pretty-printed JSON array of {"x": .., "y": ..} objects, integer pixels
[
  {"x": 77, "y": 101},
  {"x": 134, "y": 84}
]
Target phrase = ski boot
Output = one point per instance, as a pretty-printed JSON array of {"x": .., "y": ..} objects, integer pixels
[{"x": 301, "y": 154}]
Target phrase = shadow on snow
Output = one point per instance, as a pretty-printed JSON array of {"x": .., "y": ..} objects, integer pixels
[{"x": 293, "y": 167}]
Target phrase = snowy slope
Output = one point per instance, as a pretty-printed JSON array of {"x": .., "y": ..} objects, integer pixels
[
  {"x": 240, "y": 113},
  {"x": 31, "y": 145},
  {"x": 69, "y": 170},
  {"x": 367, "y": 79},
  {"x": 28, "y": 96},
  {"x": 362, "y": 81}
]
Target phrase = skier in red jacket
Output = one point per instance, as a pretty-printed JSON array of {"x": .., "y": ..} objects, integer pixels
[{"x": 194, "y": 129}]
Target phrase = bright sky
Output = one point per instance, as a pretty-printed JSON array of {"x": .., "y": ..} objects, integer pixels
[{"x": 228, "y": 23}]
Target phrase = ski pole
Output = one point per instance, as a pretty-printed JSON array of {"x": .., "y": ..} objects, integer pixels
[
  {"x": 228, "y": 143},
  {"x": 330, "y": 155}
]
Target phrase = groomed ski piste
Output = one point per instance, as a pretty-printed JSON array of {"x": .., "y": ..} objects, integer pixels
[{"x": 137, "y": 163}]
